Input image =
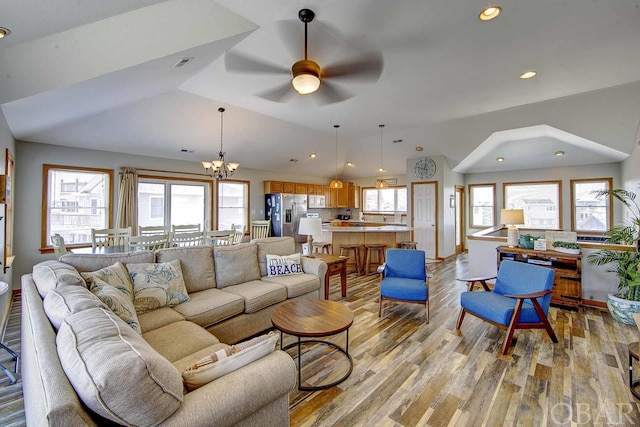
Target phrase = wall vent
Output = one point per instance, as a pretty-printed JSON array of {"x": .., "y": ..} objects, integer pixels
[{"x": 183, "y": 62}]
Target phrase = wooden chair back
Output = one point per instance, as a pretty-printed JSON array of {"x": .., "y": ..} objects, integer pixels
[
  {"x": 218, "y": 237},
  {"x": 58, "y": 245},
  {"x": 194, "y": 238},
  {"x": 150, "y": 242},
  {"x": 186, "y": 228},
  {"x": 260, "y": 229},
  {"x": 110, "y": 237},
  {"x": 152, "y": 230},
  {"x": 239, "y": 232}
]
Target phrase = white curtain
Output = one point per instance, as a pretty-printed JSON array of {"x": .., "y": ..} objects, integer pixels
[{"x": 128, "y": 200}]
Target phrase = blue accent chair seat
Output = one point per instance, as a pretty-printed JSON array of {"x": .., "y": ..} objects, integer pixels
[
  {"x": 404, "y": 278},
  {"x": 520, "y": 300}
]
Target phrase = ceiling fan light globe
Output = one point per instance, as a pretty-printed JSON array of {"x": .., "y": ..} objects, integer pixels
[{"x": 306, "y": 76}]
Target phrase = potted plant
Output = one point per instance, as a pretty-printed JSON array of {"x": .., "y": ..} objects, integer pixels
[
  {"x": 624, "y": 263},
  {"x": 566, "y": 247}
]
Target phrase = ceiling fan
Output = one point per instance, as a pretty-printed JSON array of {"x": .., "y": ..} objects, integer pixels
[{"x": 307, "y": 77}]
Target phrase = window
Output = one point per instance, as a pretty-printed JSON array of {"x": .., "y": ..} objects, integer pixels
[
  {"x": 233, "y": 204},
  {"x": 482, "y": 203},
  {"x": 588, "y": 212},
  {"x": 76, "y": 200},
  {"x": 393, "y": 199},
  {"x": 173, "y": 201},
  {"x": 539, "y": 200}
]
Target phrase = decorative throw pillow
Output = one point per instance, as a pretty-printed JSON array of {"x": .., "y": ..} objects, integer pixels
[
  {"x": 116, "y": 275},
  {"x": 157, "y": 285},
  {"x": 283, "y": 265},
  {"x": 227, "y": 360},
  {"x": 117, "y": 301}
]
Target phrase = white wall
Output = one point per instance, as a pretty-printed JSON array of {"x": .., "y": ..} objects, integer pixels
[
  {"x": 605, "y": 170},
  {"x": 31, "y": 156},
  {"x": 6, "y": 143},
  {"x": 630, "y": 167}
]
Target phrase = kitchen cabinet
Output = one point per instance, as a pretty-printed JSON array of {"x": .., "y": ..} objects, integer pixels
[
  {"x": 288, "y": 187},
  {"x": 567, "y": 284},
  {"x": 273, "y": 187},
  {"x": 354, "y": 196},
  {"x": 300, "y": 188}
]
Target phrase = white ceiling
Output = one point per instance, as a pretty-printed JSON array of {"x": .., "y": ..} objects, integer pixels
[{"x": 99, "y": 74}]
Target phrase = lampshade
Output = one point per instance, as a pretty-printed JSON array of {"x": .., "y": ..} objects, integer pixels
[
  {"x": 512, "y": 216},
  {"x": 306, "y": 76},
  {"x": 335, "y": 183},
  {"x": 381, "y": 183},
  {"x": 310, "y": 226}
]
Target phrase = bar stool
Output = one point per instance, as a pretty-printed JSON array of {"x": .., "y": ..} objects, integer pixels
[
  {"x": 322, "y": 247},
  {"x": 4, "y": 287},
  {"x": 356, "y": 256},
  {"x": 408, "y": 245},
  {"x": 369, "y": 249}
]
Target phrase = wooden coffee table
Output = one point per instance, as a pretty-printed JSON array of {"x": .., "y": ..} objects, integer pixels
[
  {"x": 335, "y": 265},
  {"x": 306, "y": 318}
]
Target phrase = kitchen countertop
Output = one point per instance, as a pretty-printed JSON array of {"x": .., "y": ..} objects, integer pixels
[{"x": 367, "y": 229}]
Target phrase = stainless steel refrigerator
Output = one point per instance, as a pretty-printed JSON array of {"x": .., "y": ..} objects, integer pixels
[{"x": 285, "y": 211}]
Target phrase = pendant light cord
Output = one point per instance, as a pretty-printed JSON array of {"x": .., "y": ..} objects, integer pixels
[
  {"x": 380, "y": 168},
  {"x": 221, "y": 110},
  {"x": 335, "y": 126}
]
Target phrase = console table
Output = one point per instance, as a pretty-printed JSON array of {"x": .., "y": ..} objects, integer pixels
[{"x": 567, "y": 284}]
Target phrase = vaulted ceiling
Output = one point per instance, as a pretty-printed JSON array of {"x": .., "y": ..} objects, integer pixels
[{"x": 101, "y": 75}]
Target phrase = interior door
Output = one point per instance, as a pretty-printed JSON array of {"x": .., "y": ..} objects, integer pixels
[
  {"x": 424, "y": 217},
  {"x": 459, "y": 215}
]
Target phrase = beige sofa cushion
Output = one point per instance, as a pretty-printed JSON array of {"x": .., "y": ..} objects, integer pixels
[
  {"x": 115, "y": 372},
  {"x": 158, "y": 318},
  {"x": 64, "y": 301},
  {"x": 211, "y": 306},
  {"x": 157, "y": 285},
  {"x": 197, "y": 265},
  {"x": 258, "y": 294},
  {"x": 296, "y": 284},
  {"x": 228, "y": 359},
  {"x": 49, "y": 275},
  {"x": 92, "y": 262},
  {"x": 179, "y": 339},
  {"x": 236, "y": 264},
  {"x": 273, "y": 246},
  {"x": 115, "y": 275}
]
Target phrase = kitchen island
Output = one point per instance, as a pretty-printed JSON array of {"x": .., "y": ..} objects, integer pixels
[{"x": 354, "y": 234}]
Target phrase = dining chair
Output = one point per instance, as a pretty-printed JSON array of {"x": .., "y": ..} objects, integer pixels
[
  {"x": 239, "y": 232},
  {"x": 218, "y": 237},
  {"x": 404, "y": 278},
  {"x": 193, "y": 238},
  {"x": 110, "y": 236},
  {"x": 150, "y": 242},
  {"x": 58, "y": 245},
  {"x": 151, "y": 230},
  {"x": 187, "y": 228},
  {"x": 507, "y": 306},
  {"x": 260, "y": 228}
]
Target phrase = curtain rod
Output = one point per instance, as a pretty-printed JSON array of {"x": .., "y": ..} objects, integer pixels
[{"x": 163, "y": 171}]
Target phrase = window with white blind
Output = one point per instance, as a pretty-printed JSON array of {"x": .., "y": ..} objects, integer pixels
[
  {"x": 590, "y": 213},
  {"x": 392, "y": 200},
  {"x": 233, "y": 204},
  {"x": 482, "y": 205}
]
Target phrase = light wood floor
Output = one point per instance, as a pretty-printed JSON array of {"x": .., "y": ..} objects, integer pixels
[{"x": 409, "y": 373}]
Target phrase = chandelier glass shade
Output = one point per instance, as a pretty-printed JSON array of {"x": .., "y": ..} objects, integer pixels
[
  {"x": 381, "y": 183},
  {"x": 336, "y": 183},
  {"x": 220, "y": 169}
]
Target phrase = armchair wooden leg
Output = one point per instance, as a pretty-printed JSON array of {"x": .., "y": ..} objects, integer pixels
[
  {"x": 428, "y": 312},
  {"x": 460, "y": 318},
  {"x": 512, "y": 327},
  {"x": 380, "y": 307},
  {"x": 544, "y": 320}
]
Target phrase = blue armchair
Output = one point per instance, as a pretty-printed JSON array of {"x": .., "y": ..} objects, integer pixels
[
  {"x": 404, "y": 278},
  {"x": 520, "y": 300}
]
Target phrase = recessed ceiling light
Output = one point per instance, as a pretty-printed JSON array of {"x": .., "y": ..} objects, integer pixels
[
  {"x": 293, "y": 160},
  {"x": 500, "y": 159},
  {"x": 419, "y": 148},
  {"x": 528, "y": 74},
  {"x": 312, "y": 155},
  {"x": 4, "y": 32},
  {"x": 349, "y": 163},
  {"x": 559, "y": 153},
  {"x": 397, "y": 141},
  {"x": 489, "y": 13}
]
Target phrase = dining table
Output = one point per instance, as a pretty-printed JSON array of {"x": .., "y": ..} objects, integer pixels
[{"x": 101, "y": 250}]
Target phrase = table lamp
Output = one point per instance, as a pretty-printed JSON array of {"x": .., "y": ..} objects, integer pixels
[
  {"x": 511, "y": 218},
  {"x": 309, "y": 227}
]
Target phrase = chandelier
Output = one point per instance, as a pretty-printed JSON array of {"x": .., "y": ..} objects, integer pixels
[
  {"x": 220, "y": 169},
  {"x": 381, "y": 183}
]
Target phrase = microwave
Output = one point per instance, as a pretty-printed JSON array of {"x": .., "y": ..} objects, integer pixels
[{"x": 316, "y": 201}]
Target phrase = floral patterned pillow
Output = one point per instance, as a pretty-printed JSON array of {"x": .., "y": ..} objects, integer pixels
[
  {"x": 117, "y": 302},
  {"x": 115, "y": 275},
  {"x": 157, "y": 285}
]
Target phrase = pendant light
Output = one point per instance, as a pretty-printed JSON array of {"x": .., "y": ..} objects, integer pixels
[
  {"x": 381, "y": 183},
  {"x": 336, "y": 183},
  {"x": 220, "y": 169}
]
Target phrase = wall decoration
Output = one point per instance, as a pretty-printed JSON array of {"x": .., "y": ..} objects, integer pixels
[{"x": 424, "y": 168}]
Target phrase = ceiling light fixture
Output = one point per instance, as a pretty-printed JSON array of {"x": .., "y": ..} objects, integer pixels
[
  {"x": 306, "y": 73},
  {"x": 558, "y": 153},
  {"x": 418, "y": 148},
  {"x": 489, "y": 13},
  {"x": 336, "y": 183},
  {"x": 528, "y": 74},
  {"x": 4, "y": 32},
  {"x": 381, "y": 183},
  {"x": 219, "y": 169},
  {"x": 500, "y": 159},
  {"x": 350, "y": 164},
  {"x": 312, "y": 155}
]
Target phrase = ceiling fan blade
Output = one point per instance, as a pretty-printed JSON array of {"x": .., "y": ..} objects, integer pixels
[
  {"x": 364, "y": 68},
  {"x": 330, "y": 93},
  {"x": 242, "y": 63},
  {"x": 281, "y": 93}
]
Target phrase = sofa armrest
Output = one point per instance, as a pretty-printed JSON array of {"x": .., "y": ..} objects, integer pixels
[
  {"x": 317, "y": 267},
  {"x": 235, "y": 396}
]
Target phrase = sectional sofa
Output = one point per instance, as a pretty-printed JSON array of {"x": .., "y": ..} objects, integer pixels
[{"x": 85, "y": 365}]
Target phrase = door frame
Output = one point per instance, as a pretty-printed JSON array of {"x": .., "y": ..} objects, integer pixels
[
  {"x": 460, "y": 213},
  {"x": 437, "y": 215}
]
